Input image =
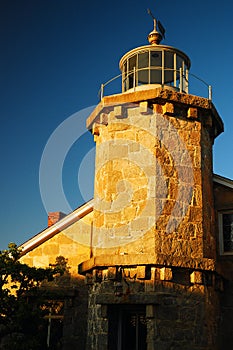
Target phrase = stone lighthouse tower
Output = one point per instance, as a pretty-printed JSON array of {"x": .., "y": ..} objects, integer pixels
[{"x": 152, "y": 280}]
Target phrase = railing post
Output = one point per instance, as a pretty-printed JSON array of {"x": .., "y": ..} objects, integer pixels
[
  {"x": 123, "y": 82},
  {"x": 101, "y": 91},
  {"x": 210, "y": 92},
  {"x": 181, "y": 79},
  {"x": 134, "y": 78},
  {"x": 187, "y": 82}
]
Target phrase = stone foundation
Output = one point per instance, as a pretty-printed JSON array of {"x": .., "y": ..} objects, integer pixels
[{"x": 180, "y": 305}]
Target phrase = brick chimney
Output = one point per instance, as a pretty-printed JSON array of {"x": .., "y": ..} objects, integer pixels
[{"x": 54, "y": 217}]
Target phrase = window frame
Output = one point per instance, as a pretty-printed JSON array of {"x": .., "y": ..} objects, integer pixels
[{"x": 221, "y": 233}]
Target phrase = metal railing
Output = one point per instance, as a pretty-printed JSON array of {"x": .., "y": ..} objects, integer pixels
[{"x": 181, "y": 81}]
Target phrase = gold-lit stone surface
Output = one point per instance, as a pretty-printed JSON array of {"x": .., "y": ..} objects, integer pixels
[
  {"x": 125, "y": 135},
  {"x": 65, "y": 243}
]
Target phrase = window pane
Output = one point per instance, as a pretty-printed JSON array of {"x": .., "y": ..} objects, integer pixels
[
  {"x": 132, "y": 63},
  {"x": 143, "y": 60},
  {"x": 168, "y": 68},
  {"x": 228, "y": 232},
  {"x": 156, "y": 58},
  {"x": 169, "y": 59},
  {"x": 127, "y": 327},
  {"x": 179, "y": 62},
  {"x": 156, "y": 76},
  {"x": 143, "y": 76},
  {"x": 130, "y": 81},
  {"x": 156, "y": 64}
]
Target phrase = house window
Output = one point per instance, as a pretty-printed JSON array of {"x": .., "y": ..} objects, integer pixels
[
  {"x": 127, "y": 328},
  {"x": 226, "y": 232}
]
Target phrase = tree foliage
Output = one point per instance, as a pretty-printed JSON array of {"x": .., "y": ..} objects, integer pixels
[{"x": 21, "y": 298}]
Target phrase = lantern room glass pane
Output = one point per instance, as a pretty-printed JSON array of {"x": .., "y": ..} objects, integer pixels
[
  {"x": 179, "y": 62},
  {"x": 143, "y": 77},
  {"x": 131, "y": 81},
  {"x": 156, "y": 58},
  {"x": 143, "y": 74},
  {"x": 155, "y": 67},
  {"x": 132, "y": 62},
  {"x": 169, "y": 59},
  {"x": 169, "y": 67},
  {"x": 143, "y": 60},
  {"x": 155, "y": 75},
  {"x": 131, "y": 65}
]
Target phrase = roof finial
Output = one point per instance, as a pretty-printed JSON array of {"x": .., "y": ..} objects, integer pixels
[{"x": 156, "y": 36}]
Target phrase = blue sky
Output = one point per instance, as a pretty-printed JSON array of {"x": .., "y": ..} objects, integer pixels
[{"x": 54, "y": 56}]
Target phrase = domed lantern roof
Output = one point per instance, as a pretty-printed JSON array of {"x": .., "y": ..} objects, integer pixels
[{"x": 155, "y": 65}]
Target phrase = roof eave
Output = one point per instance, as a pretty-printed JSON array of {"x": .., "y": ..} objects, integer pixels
[{"x": 51, "y": 231}]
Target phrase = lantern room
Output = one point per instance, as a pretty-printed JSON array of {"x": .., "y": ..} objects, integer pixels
[{"x": 155, "y": 65}]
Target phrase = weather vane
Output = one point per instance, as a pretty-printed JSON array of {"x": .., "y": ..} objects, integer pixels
[{"x": 158, "y": 24}]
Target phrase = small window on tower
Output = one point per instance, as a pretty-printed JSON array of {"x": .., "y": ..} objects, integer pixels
[{"x": 226, "y": 232}]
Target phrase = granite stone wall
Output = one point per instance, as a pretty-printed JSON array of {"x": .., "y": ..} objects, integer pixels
[
  {"x": 180, "y": 306},
  {"x": 153, "y": 180},
  {"x": 154, "y": 240}
]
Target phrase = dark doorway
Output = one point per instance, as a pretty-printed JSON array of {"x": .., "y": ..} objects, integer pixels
[{"x": 127, "y": 327}]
